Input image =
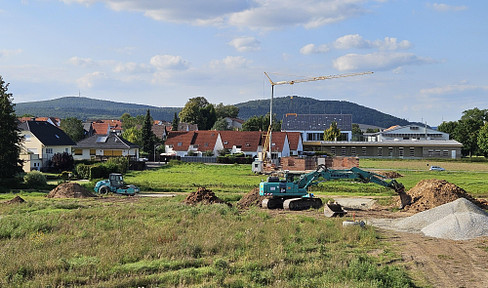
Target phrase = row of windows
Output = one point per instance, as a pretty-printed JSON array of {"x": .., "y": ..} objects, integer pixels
[{"x": 343, "y": 151}]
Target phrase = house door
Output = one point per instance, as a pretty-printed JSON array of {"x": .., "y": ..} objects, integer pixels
[{"x": 453, "y": 154}]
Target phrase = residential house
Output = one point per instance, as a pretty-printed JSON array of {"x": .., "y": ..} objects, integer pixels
[
  {"x": 410, "y": 132},
  {"x": 105, "y": 146},
  {"x": 104, "y": 127},
  {"x": 247, "y": 142},
  {"x": 40, "y": 141},
  {"x": 312, "y": 126},
  {"x": 185, "y": 143},
  {"x": 51, "y": 120},
  {"x": 234, "y": 123}
]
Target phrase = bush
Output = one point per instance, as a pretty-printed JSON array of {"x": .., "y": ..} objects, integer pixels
[
  {"x": 83, "y": 171},
  {"x": 121, "y": 163},
  {"x": 62, "y": 161},
  {"x": 35, "y": 179},
  {"x": 232, "y": 159}
]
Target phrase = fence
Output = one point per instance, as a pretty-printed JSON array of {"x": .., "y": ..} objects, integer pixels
[{"x": 201, "y": 159}]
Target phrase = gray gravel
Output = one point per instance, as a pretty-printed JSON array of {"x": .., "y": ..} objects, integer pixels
[{"x": 457, "y": 220}]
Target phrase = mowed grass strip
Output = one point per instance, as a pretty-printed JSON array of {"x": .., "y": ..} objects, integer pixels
[{"x": 160, "y": 242}]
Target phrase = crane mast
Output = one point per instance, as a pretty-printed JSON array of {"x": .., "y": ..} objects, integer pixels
[{"x": 268, "y": 140}]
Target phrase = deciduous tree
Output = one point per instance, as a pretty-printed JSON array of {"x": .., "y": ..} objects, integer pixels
[
  {"x": 198, "y": 111},
  {"x": 332, "y": 133},
  {"x": 73, "y": 128}
]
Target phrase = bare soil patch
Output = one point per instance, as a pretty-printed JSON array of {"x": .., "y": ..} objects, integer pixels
[
  {"x": 389, "y": 174},
  {"x": 15, "y": 200},
  {"x": 204, "y": 196},
  {"x": 431, "y": 193},
  {"x": 70, "y": 190},
  {"x": 251, "y": 199}
]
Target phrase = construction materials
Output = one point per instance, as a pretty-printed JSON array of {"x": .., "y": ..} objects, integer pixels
[
  {"x": 457, "y": 220},
  {"x": 204, "y": 196},
  {"x": 292, "y": 194},
  {"x": 70, "y": 190},
  {"x": 115, "y": 184}
]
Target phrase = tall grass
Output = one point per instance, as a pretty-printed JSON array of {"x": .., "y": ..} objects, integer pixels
[{"x": 164, "y": 243}]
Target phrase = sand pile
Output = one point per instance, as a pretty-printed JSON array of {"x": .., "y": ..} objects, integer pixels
[
  {"x": 204, "y": 196},
  {"x": 389, "y": 174},
  {"x": 431, "y": 193},
  {"x": 457, "y": 220},
  {"x": 70, "y": 190},
  {"x": 15, "y": 200},
  {"x": 251, "y": 199}
]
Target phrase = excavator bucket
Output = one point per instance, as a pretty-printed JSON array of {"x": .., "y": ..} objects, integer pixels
[{"x": 333, "y": 209}]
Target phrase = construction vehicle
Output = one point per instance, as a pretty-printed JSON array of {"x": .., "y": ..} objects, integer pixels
[
  {"x": 115, "y": 184},
  {"x": 292, "y": 194}
]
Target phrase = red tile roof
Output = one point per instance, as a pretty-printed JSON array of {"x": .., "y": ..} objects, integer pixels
[
  {"x": 294, "y": 139},
  {"x": 180, "y": 140},
  {"x": 205, "y": 140},
  {"x": 278, "y": 141},
  {"x": 249, "y": 141}
]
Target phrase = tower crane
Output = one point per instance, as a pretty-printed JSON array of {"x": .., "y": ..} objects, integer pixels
[{"x": 268, "y": 140}]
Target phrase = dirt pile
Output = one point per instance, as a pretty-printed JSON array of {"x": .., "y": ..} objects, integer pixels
[
  {"x": 431, "y": 193},
  {"x": 204, "y": 196},
  {"x": 389, "y": 174},
  {"x": 251, "y": 199},
  {"x": 70, "y": 190},
  {"x": 15, "y": 200}
]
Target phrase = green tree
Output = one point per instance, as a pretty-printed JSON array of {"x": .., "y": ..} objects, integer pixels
[
  {"x": 332, "y": 133},
  {"x": 198, "y": 111},
  {"x": 128, "y": 121},
  {"x": 356, "y": 132},
  {"x": 148, "y": 138},
  {"x": 223, "y": 111},
  {"x": 221, "y": 125},
  {"x": 449, "y": 128},
  {"x": 174, "y": 124},
  {"x": 133, "y": 135},
  {"x": 467, "y": 130},
  {"x": 10, "y": 140},
  {"x": 261, "y": 123},
  {"x": 73, "y": 128},
  {"x": 483, "y": 140}
]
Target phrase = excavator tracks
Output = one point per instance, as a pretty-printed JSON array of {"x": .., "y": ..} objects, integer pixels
[{"x": 294, "y": 204}]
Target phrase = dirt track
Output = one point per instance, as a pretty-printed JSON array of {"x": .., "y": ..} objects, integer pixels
[{"x": 440, "y": 262}]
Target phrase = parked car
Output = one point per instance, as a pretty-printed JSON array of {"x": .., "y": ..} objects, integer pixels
[{"x": 436, "y": 168}]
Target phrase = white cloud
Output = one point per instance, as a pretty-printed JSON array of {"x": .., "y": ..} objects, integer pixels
[
  {"x": 169, "y": 62},
  {"x": 378, "y": 61},
  {"x": 441, "y": 7},
  {"x": 356, "y": 41},
  {"x": 245, "y": 44},
  {"x": 82, "y": 62},
  {"x": 452, "y": 89},
  {"x": 89, "y": 80},
  {"x": 259, "y": 14},
  {"x": 132, "y": 68},
  {"x": 312, "y": 49},
  {"x": 230, "y": 62},
  {"x": 7, "y": 53}
]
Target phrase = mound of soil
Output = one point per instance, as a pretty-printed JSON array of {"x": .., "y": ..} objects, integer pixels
[
  {"x": 70, "y": 190},
  {"x": 431, "y": 193},
  {"x": 204, "y": 196},
  {"x": 389, "y": 174},
  {"x": 251, "y": 199},
  {"x": 15, "y": 200}
]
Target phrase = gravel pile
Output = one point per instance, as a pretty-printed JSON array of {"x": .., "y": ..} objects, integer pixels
[{"x": 456, "y": 220}]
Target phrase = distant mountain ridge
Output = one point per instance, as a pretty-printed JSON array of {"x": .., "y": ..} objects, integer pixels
[{"x": 88, "y": 109}]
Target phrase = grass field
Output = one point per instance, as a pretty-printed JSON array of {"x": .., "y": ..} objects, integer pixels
[{"x": 160, "y": 242}]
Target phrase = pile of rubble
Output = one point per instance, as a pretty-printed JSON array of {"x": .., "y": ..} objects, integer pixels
[
  {"x": 204, "y": 196},
  {"x": 251, "y": 199},
  {"x": 70, "y": 190},
  {"x": 15, "y": 200},
  {"x": 431, "y": 193}
]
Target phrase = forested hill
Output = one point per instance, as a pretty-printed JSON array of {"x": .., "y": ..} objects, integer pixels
[
  {"x": 305, "y": 105},
  {"x": 86, "y": 108}
]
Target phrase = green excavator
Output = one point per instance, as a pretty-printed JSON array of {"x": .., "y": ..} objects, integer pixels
[{"x": 292, "y": 194}]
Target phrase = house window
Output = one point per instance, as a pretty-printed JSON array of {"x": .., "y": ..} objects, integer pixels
[
  {"x": 390, "y": 151},
  {"x": 380, "y": 151},
  {"x": 66, "y": 150},
  {"x": 226, "y": 142},
  {"x": 353, "y": 151},
  {"x": 445, "y": 153},
  {"x": 332, "y": 150},
  {"x": 364, "y": 150},
  {"x": 343, "y": 151},
  {"x": 78, "y": 151},
  {"x": 180, "y": 144},
  {"x": 400, "y": 151},
  {"x": 49, "y": 150},
  {"x": 412, "y": 151},
  {"x": 93, "y": 152},
  {"x": 27, "y": 137},
  {"x": 205, "y": 145}
]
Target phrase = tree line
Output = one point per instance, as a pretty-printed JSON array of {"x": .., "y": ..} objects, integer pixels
[{"x": 471, "y": 130}]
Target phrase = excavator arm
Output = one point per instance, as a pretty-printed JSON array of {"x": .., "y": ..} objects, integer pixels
[{"x": 306, "y": 180}]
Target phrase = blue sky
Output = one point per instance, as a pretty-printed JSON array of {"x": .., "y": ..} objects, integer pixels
[{"x": 428, "y": 58}]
